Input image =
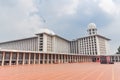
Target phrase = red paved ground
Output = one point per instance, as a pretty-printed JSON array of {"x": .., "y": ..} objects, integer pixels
[{"x": 74, "y": 71}]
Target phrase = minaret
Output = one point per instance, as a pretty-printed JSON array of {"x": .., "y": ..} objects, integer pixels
[{"x": 92, "y": 30}]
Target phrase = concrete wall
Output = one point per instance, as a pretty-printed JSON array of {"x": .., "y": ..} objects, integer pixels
[{"x": 28, "y": 44}]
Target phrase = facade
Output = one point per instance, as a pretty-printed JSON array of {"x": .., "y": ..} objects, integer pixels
[
  {"x": 93, "y": 44},
  {"x": 43, "y": 42},
  {"x": 47, "y": 47}
]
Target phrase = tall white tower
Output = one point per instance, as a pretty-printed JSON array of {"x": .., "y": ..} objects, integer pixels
[{"x": 92, "y": 30}]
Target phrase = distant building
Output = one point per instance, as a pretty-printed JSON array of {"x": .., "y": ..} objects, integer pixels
[
  {"x": 48, "y": 41},
  {"x": 93, "y": 44},
  {"x": 47, "y": 48}
]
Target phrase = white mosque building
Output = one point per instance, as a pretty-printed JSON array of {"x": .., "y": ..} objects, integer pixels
[{"x": 47, "y": 47}]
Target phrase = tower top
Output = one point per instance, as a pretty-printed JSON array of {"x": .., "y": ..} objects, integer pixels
[
  {"x": 91, "y": 26},
  {"x": 92, "y": 30}
]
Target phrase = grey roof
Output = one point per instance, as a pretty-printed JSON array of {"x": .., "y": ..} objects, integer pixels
[
  {"x": 18, "y": 40},
  {"x": 95, "y": 35}
]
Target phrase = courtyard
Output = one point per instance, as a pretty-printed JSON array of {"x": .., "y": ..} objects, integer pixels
[{"x": 67, "y": 71}]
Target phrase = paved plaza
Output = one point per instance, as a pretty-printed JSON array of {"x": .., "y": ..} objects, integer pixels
[{"x": 73, "y": 71}]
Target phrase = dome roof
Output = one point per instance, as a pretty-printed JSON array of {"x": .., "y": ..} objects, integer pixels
[
  {"x": 91, "y": 26},
  {"x": 45, "y": 30}
]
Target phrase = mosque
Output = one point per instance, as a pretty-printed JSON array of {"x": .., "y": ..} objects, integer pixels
[{"x": 48, "y": 48}]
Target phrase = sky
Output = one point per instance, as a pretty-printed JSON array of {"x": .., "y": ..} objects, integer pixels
[{"x": 67, "y": 18}]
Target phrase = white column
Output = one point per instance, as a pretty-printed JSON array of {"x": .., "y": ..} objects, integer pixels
[
  {"x": 55, "y": 58},
  {"x": 58, "y": 58},
  {"x": 86, "y": 58},
  {"x": 70, "y": 59},
  {"x": 118, "y": 58},
  {"x": 10, "y": 61},
  {"x": 64, "y": 58},
  {"x": 114, "y": 58},
  {"x": 67, "y": 59},
  {"x": 81, "y": 58},
  {"x": 17, "y": 58},
  {"x": 23, "y": 59},
  {"x": 51, "y": 58},
  {"x": 48, "y": 58},
  {"x": 34, "y": 58},
  {"x": 39, "y": 58},
  {"x": 61, "y": 58},
  {"x": 3, "y": 58},
  {"x": 29, "y": 58},
  {"x": 43, "y": 59},
  {"x": 77, "y": 59}
]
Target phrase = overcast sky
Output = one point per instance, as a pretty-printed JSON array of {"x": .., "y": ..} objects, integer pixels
[{"x": 67, "y": 18}]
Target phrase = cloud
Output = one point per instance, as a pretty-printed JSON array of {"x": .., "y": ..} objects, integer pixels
[
  {"x": 19, "y": 18},
  {"x": 112, "y": 29},
  {"x": 69, "y": 8}
]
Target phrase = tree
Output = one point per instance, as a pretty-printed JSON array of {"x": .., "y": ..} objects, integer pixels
[{"x": 118, "y": 50}]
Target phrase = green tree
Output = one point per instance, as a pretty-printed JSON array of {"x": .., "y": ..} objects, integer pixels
[{"x": 118, "y": 50}]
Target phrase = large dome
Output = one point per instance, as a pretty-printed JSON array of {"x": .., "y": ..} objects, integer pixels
[
  {"x": 45, "y": 30},
  {"x": 91, "y": 26}
]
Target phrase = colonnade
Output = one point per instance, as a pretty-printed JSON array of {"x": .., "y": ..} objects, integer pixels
[
  {"x": 22, "y": 58},
  {"x": 115, "y": 58}
]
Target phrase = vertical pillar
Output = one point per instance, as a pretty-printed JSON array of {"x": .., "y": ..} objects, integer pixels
[
  {"x": 78, "y": 58},
  {"x": 23, "y": 59},
  {"x": 43, "y": 58},
  {"x": 3, "y": 58},
  {"x": 67, "y": 58},
  {"x": 34, "y": 61},
  {"x": 55, "y": 58},
  {"x": 82, "y": 58},
  {"x": 39, "y": 58},
  {"x": 17, "y": 59},
  {"x": 114, "y": 59},
  {"x": 111, "y": 58},
  {"x": 29, "y": 58},
  {"x": 118, "y": 58},
  {"x": 70, "y": 58},
  {"x": 86, "y": 58},
  {"x": 51, "y": 59},
  {"x": 10, "y": 61},
  {"x": 48, "y": 58},
  {"x": 74, "y": 58},
  {"x": 61, "y": 58},
  {"x": 64, "y": 59},
  {"x": 58, "y": 58}
]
